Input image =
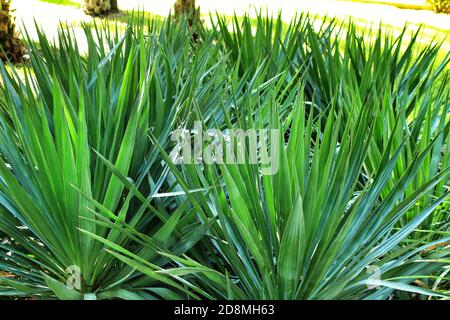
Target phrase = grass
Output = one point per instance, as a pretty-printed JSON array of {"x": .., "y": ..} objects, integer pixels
[
  {"x": 63, "y": 2},
  {"x": 120, "y": 21},
  {"x": 86, "y": 166},
  {"x": 405, "y": 4}
]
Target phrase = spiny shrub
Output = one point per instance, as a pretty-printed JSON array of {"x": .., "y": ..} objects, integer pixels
[{"x": 94, "y": 205}]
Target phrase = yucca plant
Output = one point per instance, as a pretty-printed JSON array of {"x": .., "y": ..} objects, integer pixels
[
  {"x": 88, "y": 181},
  {"x": 409, "y": 171},
  {"x": 64, "y": 130},
  {"x": 312, "y": 230},
  {"x": 409, "y": 79}
]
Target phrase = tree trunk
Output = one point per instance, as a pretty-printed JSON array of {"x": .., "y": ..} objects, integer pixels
[
  {"x": 12, "y": 48},
  {"x": 187, "y": 8},
  {"x": 96, "y": 7},
  {"x": 114, "y": 6}
]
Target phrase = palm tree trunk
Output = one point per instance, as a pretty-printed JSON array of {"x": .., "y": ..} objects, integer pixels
[
  {"x": 12, "y": 49},
  {"x": 187, "y": 8},
  {"x": 96, "y": 7},
  {"x": 114, "y": 6}
]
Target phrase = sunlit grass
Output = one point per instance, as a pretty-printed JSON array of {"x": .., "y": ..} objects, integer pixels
[
  {"x": 399, "y": 4},
  {"x": 118, "y": 21},
  {"x": 63, "y": 2}
]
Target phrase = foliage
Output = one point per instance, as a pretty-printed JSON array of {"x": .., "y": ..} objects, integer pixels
[
  {"x": 57, "y": 146},
  {"x": 87, "y": 177}
]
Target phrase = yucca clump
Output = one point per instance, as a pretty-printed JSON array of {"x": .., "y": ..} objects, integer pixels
[
  {"x": 98, "y": 202},
  {"x": 12, "y": 48}
]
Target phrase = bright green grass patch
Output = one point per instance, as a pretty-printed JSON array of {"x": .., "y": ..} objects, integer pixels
[
  {"x": 402, "y": 4},
  {"x": 119, "y": 21},
  {"x": 63, "y": 2}
]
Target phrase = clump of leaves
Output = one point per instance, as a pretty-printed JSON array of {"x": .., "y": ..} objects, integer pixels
[
  {"x": 86, "y": 179},
  {"x": 67, "y": 132}
]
